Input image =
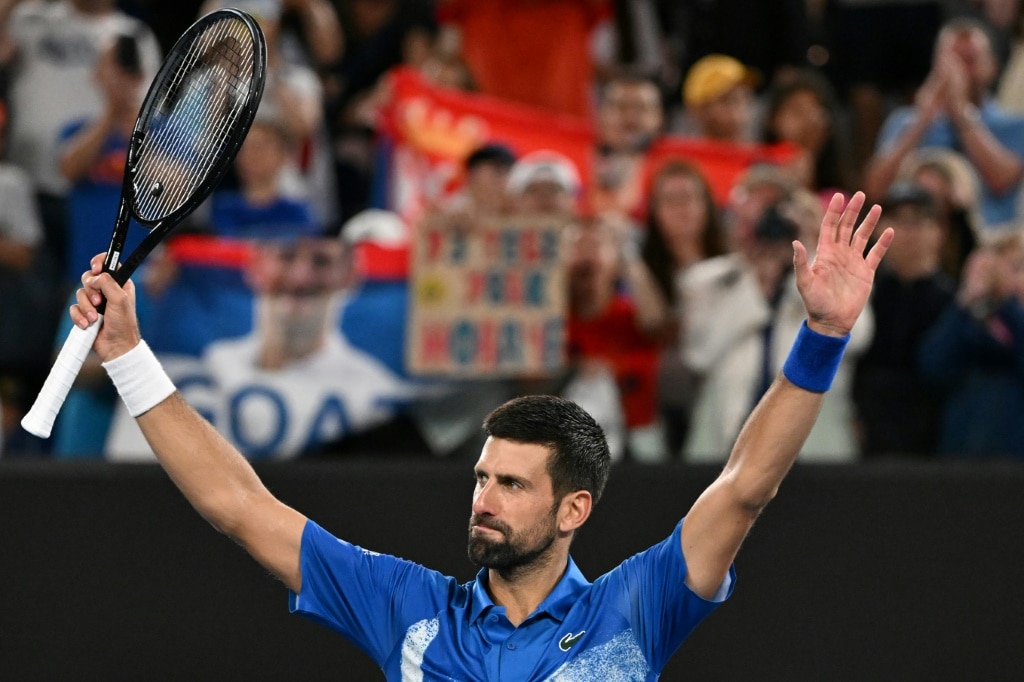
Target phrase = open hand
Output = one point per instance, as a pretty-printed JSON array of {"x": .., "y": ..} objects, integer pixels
[{"x": 836, "y": 286}]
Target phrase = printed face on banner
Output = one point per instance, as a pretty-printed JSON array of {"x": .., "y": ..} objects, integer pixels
[
  {"x": 273, "y": 349},
  {"x": 488, "y": 297}
]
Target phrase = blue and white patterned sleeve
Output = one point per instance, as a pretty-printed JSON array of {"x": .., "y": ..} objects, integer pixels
[
  {"x": 661, "y": 607},
  {"x": 369, "y": 598}
]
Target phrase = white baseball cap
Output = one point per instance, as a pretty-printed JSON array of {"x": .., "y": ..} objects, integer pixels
[{"x": 544, "y": 165}]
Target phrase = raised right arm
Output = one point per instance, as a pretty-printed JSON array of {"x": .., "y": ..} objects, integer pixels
[{"x": 214, "y": 477}]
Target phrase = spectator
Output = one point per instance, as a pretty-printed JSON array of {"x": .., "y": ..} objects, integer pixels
[
  {"x": 196, "y": 302},
  {"x": 53, "y": 49},
  {"x": 629, "y": 118},
  {"x": 92, "y": 156},
  {"x": 615, "y": 309},
  {"x": 445, "y": 68},
  {"x": 953, "y": 110},
  {"x": 544, "y": 182},
  {"x": 948, "y": 176},
  {"x": 24, "y": 290},
  {"x": 741, "y": 312},
  {"x": 770, "y": 36},
  {"x": 719, "y": 97},
  {"x": 293, "y": 98},
  {"x": 899, "y": 412},
  {"x": 802, "y": 110},
  {"x": 879, "y": 52},
  {"x": 760, "y": 186},
  {"x": 484, "y": 193},
  {"x": 683, "y": 228},
  {"x": 259, "y": 208},
  {"x": 976, "y": 352},
  {"x": 379, "y": 35}
]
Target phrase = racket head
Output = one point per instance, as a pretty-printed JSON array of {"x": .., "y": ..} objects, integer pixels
[
  {"x": 194, "y": 117},
  {"x": 192, "y": 122}
]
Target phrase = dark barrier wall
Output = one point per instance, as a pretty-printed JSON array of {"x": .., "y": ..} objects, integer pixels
[{"x": 865, "y": 573}]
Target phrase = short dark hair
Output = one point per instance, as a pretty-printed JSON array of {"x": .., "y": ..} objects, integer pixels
[
  {"x": 494, "y": 152},
  {"x": 627, "y": 78},
  {"x": 580, "y": 459}
]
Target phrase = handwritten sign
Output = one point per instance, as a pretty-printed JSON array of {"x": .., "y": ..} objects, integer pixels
[{"x": 488, "y": 297}]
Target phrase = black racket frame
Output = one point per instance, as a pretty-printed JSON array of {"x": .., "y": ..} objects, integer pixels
[{"x": 158, "y": 229}]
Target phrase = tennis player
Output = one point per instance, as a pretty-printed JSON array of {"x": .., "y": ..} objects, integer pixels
[{"x": 529, "y": 614}]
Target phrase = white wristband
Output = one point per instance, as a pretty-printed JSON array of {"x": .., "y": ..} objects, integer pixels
[{"x": 140, "y": 379}]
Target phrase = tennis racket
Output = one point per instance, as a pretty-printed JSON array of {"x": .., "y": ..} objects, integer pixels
[{"x": 194, "y": 118}]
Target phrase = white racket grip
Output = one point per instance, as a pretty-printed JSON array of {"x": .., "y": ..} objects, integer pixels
[{"x": 39, "y": 420}]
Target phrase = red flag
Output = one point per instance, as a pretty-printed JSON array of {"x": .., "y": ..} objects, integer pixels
[{"x": 434, "y": 129}]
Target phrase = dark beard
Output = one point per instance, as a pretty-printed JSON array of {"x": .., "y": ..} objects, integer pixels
[{"x": 507, "y": 555}]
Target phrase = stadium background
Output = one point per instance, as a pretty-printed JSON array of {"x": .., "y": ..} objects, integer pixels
[{"x": 854, "y": 573}]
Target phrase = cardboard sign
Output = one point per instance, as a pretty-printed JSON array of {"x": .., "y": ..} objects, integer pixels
[{"x": 489, "y": 297}]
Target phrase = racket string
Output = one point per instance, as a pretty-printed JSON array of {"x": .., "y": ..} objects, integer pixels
[
  {"x": 180, "y": 140},
  {"x": 201, "y": 105}
]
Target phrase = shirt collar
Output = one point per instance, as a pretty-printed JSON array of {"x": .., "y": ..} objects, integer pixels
[{"x": 556, "y": 604}]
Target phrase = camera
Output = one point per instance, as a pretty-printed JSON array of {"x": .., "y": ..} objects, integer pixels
[
  {"x": 774, "y": 226},
  {"x": 126, "y": 54}
]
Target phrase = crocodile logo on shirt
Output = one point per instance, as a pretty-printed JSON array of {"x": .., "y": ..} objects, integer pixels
[{"x": 569, "y": 640}]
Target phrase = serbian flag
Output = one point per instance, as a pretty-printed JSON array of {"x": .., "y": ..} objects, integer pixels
[{"x": 431, "y": 130}]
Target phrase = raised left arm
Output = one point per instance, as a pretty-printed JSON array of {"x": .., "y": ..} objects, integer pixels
[{"x": 835, "y": 290}]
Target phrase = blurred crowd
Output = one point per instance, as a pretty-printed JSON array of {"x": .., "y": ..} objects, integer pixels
[{"x": 292, "y": 282}]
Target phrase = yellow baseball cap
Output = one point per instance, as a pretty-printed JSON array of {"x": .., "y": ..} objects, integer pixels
[{"x": 712, "y": 76}]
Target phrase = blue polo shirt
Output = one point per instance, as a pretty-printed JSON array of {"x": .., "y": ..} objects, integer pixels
[{"x": 418, "y": 624}]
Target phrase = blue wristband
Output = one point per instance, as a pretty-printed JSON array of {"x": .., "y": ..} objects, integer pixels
[{"x": 814, "y": 359}]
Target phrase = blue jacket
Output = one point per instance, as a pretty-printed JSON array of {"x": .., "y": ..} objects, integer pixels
[{"x": 981, "y": 364}]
